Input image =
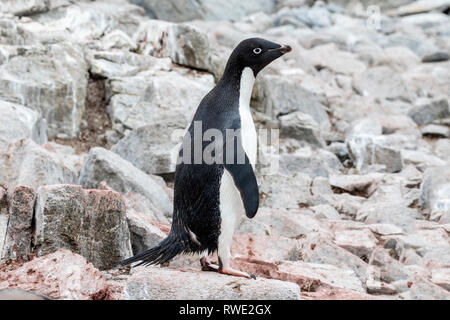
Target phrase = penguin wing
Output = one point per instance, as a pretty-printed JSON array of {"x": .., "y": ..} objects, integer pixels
[{"x": 245, "y": 180}]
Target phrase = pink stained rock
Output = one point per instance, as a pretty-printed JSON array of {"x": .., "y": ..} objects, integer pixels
[
  {"x": 336, "y": 294},
  {"x": 265, "y": 247},
  {"x": 309, "y": 276},
  {"x": 19, "y": 232},
  {"x": 60, "y": 275}
]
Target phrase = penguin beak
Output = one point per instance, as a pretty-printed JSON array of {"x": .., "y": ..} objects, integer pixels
[{"x": 282, "y": 49}]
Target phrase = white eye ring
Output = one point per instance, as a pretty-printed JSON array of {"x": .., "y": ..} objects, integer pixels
[{"x": 257, "y": 50}]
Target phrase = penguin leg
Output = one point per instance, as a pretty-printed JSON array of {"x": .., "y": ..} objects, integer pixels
[
  {"x": 225, "y": 258},
  {"x": 207, "y": 265},
  {"x": 224, "y": 268}
]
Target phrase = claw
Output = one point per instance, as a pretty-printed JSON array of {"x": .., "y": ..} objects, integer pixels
[{"x": 208, "y": 266}]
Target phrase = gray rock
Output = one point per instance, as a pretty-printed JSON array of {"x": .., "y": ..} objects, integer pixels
[
  {"x": 419, "y": 7},
  {"x": 91, "y": 223},
  {"x": 426, "y": 110},
  {"x": 315, "y": 17},
  {"x": 423, "y": 289},
  {"x": 82, "y": 22},
  {"x": 26, "y": 163},
  {"x": 397, "y": 214},
  {"x": 339, "y": 149},
  {"x": 436, "y": 57},
  {"x": 356, "y": 184},
  {"x": 329, "y": 56},
  {"x": 144, "y": 232},
  {"x": 315, "y": 163},
  {"x": 282, "y": 223},
  {"x": 279, "y": 191},
  {"x": 381, "y": 82},
  {"x": 441, "y": 277},
  {"x": 435, "y": 189},
  {"x": 184, "y": 10},
  {"x": 17, "y": 244},
  {"x": 365, "y": 126},
  {"x": 390, "y": 270},
  {"x": 41, "y": 80},
  {"x": 22, "y": 123},
  {"x": 184, "y": 44},
  {"x": 25, "y": 8},
  {"x": 3, "y": 219},
  {"x": 367, "y": 151},
  {"x": 149, "y": 98},
  {"x": 302, "y": 127},
  {"x": 316, "y": 248},
  {"x": 280, "y": 95},
  {"x": 151, "y": 148},
  {"x": 436, "y": 130},
  {"x": 163, "y": 284},
  {"x": 114, "y": 64},
  {"x": 324, "y": 211},
  {"x": 359, "y": 242},
  {"x": 123, "y": 177}
]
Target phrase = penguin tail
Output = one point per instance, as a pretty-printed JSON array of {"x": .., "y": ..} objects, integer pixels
[{"x": 162, "y": 253}]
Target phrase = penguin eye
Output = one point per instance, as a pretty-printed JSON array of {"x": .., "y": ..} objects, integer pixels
[{"x": 257, "y": 50}]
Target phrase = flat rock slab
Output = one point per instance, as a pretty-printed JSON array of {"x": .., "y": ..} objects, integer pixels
[
  {"x": 152, "y": 283},
  {"x": 60, "y": 275},
  {"x": 309, "y": 276}
]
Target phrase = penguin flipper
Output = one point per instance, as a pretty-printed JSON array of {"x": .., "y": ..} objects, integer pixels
[{"x": 245, "y": 180}]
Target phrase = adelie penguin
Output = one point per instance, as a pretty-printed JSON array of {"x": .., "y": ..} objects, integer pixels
[{"x": 211, "y": 196}]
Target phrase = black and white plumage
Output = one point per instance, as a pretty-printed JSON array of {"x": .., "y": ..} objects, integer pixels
[{"x": 210, "y": 198}]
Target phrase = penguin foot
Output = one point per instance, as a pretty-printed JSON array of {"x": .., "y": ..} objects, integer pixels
[
  {"x": 208, "y": 266},
  {"x": 237, "y": 273}
]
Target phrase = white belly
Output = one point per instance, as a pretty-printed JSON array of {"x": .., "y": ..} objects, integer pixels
[
  {"x": 231, "y": 205},
  {"x": 248, "y": 130}
]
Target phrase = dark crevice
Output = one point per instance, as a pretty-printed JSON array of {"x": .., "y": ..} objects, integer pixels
[{"x": 95, "y": 120}]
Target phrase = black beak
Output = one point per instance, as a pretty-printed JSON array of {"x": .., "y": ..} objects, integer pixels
[
  {"x": 285, "y": 49},
  {"x": 282, "y": 49}
]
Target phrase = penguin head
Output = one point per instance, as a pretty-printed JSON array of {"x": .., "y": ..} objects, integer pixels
[{"x": 256, "y": 53}]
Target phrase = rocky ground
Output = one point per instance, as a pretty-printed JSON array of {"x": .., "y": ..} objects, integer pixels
[{"x": 92, "y": 94}]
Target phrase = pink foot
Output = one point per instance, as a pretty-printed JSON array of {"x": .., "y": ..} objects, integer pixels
[{"x": 237, "y": 273}]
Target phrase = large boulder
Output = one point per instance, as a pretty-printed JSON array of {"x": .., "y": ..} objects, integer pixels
[
  {"x": 106, "y": 166},
  {"x": 185, "y": 10},
  {"x": 25, "y": 8},
  {"x": 22, "y": 123},
  {"x": 117, "y": 64},
  {"x": 17, "y": 244},
  {"x": 158, "y": 120},
  {"x": 282, "y": 191},
  {"x": 435, "y": 189},
  {"x": 156, "y": 98},
  {"x": 26, "y": 163},
  {"x": 60, "y": 275},
  {"x": 39, "y": 79},
  {"x": 382, "y": 82},
  {"x": 309, "y": 276},
  {"x": 426, "y": 110},
  {"x": 89, "y": 222},
  {"x": 279, "y": 95},
  {"x": 78, "y": 22},
  {"x": 184, "y": 44},
  {"x": 301, "y": 127},
  {"x": 153, "y": 283}
]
